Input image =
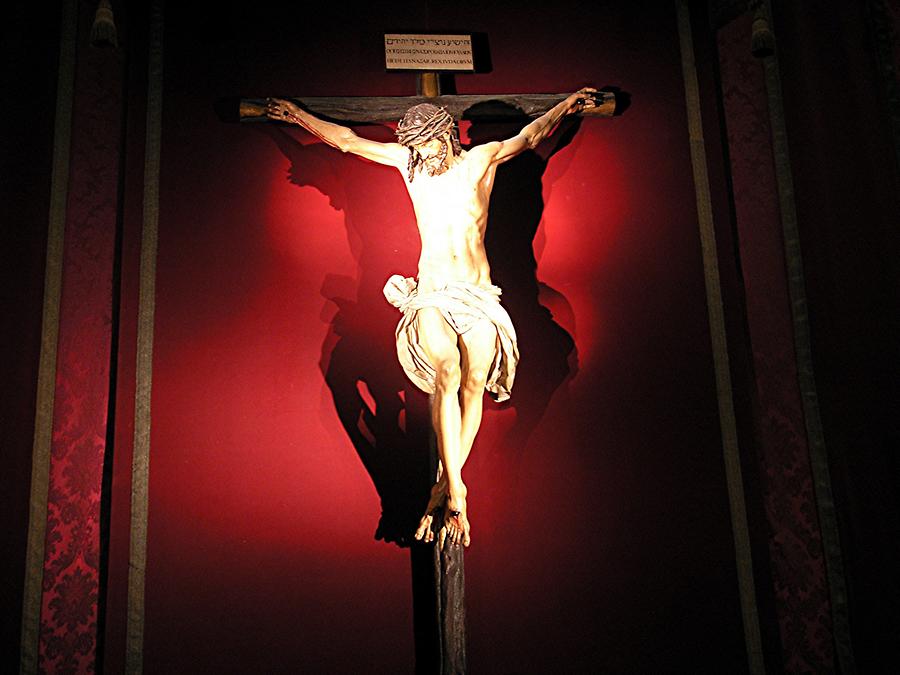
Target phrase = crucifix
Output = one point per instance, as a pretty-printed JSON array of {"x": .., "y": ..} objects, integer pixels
[{"x": 454, "y": 339}]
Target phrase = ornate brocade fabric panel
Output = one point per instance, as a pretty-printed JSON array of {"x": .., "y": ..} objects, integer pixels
[
  {"x": 68, "y": 630},
  {"x": 795, "y": 546}
]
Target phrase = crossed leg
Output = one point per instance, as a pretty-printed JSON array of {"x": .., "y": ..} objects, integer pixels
[{"x": 462, "y": 363}]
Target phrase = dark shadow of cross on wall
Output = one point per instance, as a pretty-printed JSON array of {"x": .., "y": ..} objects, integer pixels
[{"x": 383, "y": 414}]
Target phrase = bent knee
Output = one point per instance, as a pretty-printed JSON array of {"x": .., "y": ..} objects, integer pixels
[
  {"x": 476, "y": 379},
  {"x": 447, "y": 376}
]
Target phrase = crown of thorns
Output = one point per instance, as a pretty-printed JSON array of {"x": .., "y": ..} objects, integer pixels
[{"x": 422, "y": 123}]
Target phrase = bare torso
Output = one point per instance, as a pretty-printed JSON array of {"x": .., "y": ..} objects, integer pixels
[{"x": 451, "y": 214}]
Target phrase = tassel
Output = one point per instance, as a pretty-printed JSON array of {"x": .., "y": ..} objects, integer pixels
[
  {"x": 103, "y": 32},
  {"x": 762, "y": 42}
]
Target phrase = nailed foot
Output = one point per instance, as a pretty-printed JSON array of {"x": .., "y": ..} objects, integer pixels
[
  {"x": 456, "y": 524},
  {"x": 435, "y": 502}
]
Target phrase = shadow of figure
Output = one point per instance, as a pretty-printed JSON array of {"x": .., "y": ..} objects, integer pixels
[
  {"x": 548, "y": 353},
  {"x": 384, "y": 415}
]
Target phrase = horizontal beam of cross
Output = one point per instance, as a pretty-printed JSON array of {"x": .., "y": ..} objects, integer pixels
[{"x": 360, "y": 109}]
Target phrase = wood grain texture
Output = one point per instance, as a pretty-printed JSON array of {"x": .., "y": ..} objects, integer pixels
[{"x": 391, "y": 108}]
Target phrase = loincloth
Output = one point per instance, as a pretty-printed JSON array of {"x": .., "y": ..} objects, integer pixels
[{"x": 462, "y": 305}]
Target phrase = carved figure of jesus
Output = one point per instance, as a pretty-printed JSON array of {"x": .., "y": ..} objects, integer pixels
[{"x": 454, "y": 340}]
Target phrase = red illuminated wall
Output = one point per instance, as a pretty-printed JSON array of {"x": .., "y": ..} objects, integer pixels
[
  {"x": 289, "y": 454},
  {"x": 274, "y": 369}
]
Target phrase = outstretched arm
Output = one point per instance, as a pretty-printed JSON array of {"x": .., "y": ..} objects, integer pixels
[
  {"x": 342, "y": 138},
  {"x": 535, "y": 132}
]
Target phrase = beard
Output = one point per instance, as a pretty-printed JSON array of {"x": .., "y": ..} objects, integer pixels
[
  {"x": 435, "y": 167},
  {"x": 437, "y": 164}
]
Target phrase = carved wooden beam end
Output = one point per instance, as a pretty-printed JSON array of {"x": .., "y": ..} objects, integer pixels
[
  {"x": 606, "y": 107},
  {"x": 251, "y": 108}
]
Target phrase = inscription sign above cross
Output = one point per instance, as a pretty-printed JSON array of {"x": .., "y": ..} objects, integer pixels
[{"x": 453, "y": 278}]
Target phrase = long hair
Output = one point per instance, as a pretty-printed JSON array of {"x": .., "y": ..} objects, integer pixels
[{"x": 422, "y": 123}]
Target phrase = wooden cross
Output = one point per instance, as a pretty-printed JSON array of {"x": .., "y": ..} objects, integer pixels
[
  {"x": 438, "y": 574},
  {"x": 359, "y": 109}
]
